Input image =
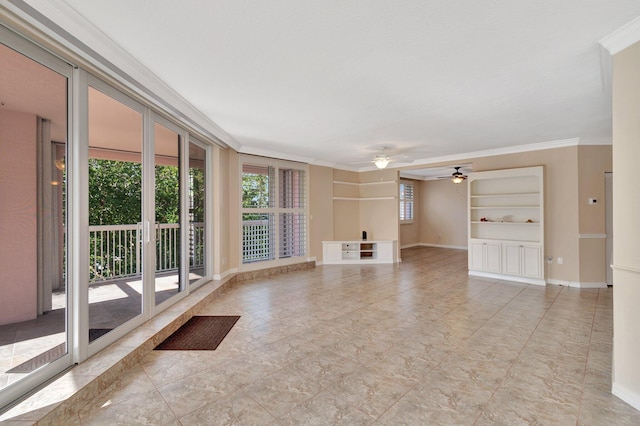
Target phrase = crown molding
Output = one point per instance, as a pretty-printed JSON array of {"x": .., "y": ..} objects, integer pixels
[
  {"x": 250, "y": 150},
  {"x": 516, "y": 149},
  {"x": 595, "y": 141},
  {"x": 68, "y": 34},
  {"x": 622, "y": 38}
]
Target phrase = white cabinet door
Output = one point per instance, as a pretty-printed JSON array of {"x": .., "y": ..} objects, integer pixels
[
  {"x": 493, "y": 254},
  {"x": 332, "y": 252},
  {"x": 511, "y": 257},
  {"x": 531, "y": 261},
  {"x": 476, "y": 256}
]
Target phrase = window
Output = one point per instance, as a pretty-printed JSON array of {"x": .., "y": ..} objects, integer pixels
[
  {"x": 274, "y": 217},
  {"x": 406, "y": 202}
]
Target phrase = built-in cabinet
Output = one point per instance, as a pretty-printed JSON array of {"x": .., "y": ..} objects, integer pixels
[
  {"x": 506, "y": 224},
  {"x": 350, "y": 252}
]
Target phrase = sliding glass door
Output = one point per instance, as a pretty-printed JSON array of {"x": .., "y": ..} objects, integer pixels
[
  {"x": 168, "y": 280},
  {"x": 115, "y": 195},
  {"x": 103, "y": 223},
  {"x": 34, "y": 283}
]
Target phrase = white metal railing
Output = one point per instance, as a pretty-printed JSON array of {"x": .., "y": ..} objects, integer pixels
[
  {"x": 257, "y": 240},
  {"x": 115, "y": 251}
]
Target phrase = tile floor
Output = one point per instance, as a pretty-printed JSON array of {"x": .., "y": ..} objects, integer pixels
[{"x": 415, "y": 343}]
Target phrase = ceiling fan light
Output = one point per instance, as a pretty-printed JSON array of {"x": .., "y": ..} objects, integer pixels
[
  {"x": 457, "y": 179},
  {"x": 381, "y": 162}
]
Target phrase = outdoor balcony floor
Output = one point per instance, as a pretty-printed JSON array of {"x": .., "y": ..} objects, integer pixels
[{"x": 28, "y": 345}]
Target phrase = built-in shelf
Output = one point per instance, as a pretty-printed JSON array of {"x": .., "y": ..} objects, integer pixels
[
  {"x": 509, "y": 244},
  {"x": 513, "y": 194}
]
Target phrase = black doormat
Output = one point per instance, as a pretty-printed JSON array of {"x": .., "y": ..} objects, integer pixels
[
  {"x": 200, "y": 333},
  {"x": 95, "y": 333}
]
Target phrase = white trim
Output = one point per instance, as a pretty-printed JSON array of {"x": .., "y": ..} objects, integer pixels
[
  {"x": 443, "y": 246},
  {"x": 225, "y": 274},
  {"x": 364, "y": 198},
  {"x": 595, "y": 141},
  {"x": 502, "y": 277},
  {"x": 363, "y": 183},
  {"x": 592, "y": 285},
  {"x": 630, "y": 397},
  {"x": 410, "y": 246},
  {"x": 249, "y": 150},
  {"x": 576, "y": 284},
  {"x": 592, "y": 236},
  {"x": 622, "y": 38},
  {"x": 626, "y": 268},
  {"x": 563, "y": 283}
]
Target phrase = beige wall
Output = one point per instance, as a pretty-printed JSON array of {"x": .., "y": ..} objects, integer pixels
[
  {"x": 346, "y": 213},
  {"x": 320, "y": 209},
  {"x": 626, "y": 226},
  {"x": 379, "y": 217},
  {"x": 18, "y": 227},
  {"x": 443, "y": 213},
  {"x": 223, "y": 260},
  {"x": 593, "y": 162},
  {"x": 231, "y": 195}
]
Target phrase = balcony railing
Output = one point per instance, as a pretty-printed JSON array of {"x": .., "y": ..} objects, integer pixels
[{"x": 115, "y": 251}]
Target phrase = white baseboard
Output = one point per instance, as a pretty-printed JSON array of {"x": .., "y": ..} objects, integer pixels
[
  {"x": 410, "y": 246},
  {"x": 508, "y": 278},
  {"x": 576, "y": 284},
  {"x": 441, "y": 246},
  {"x": 225, "y": 274},
  {"x": 630, "y": 397}
]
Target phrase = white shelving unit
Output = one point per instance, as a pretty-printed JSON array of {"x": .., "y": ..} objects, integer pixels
[
  {"x": 352, "y": 252},
  {"x": 506, "y": 224}
]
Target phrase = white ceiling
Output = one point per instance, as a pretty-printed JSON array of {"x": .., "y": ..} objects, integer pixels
[{"x": 332, "y": 81}]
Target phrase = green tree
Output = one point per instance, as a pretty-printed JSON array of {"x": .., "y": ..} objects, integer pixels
[{"x": 115, "y": 192}]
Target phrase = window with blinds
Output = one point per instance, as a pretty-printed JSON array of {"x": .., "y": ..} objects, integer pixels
[
  {"x": 274, "y": 216},
  {"x": 406, "y": 201}
]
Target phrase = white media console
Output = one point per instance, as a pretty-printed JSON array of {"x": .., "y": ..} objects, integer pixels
[{"x": 353, "y": 252}]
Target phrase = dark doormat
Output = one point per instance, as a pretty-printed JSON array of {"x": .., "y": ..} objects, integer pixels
[
  {"x": 95, "y": 333},
  {"x": 200, "y": 333}
]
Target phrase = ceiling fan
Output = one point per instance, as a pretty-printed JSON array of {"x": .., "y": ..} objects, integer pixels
[
  {"x": 381, "y": 159},
  {"x": 456, "y": 177}
]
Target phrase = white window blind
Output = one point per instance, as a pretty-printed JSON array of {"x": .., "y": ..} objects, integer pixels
[
  {"x": 406, "y": 201},
  {"x": 274, "y": 216}
]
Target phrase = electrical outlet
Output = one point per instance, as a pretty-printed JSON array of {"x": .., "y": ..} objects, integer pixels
[{"x": 560, "y": 261}]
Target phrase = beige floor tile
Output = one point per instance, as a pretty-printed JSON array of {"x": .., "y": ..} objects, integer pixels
[
  {"x": 325, "y": 409},
  {"x": 234, "y": 409},
  {"x": 372, "y": 391},
  {"x": 282, "y": 391},
  {"x": 416, "y": 343},
  {"x": 144, "y": 409}
]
